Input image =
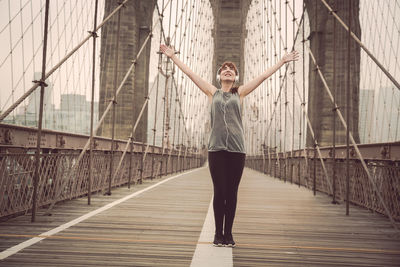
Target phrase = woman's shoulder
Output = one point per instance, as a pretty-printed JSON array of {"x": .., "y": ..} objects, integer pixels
[{"x": 219, "y": 90}]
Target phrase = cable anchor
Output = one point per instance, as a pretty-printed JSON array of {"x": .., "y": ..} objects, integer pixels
[
  {"x": 40, "y": 82},
  {"x": 93, "y": 34}
]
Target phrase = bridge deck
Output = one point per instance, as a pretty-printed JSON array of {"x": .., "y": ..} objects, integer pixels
[{"x": 277, "y": 224}]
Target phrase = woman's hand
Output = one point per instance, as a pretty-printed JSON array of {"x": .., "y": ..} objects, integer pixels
[
  {"x": 292, "y": 56},
  {"x": 167, "y": 50}
]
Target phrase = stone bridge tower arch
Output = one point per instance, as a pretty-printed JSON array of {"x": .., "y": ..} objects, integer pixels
[{"x": 136, "y": 20}]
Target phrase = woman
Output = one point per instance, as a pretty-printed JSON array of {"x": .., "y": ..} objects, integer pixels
[{"x": 226, "y": 153}]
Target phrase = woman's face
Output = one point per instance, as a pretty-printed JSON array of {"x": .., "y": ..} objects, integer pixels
[{"x": 227, "y": 73}]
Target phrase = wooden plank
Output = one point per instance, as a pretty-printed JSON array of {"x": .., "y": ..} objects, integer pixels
[
  {"x": 158, "y": 227},
  {"x": 277, "y": 224},
  {"x": 280, "y": 224}
]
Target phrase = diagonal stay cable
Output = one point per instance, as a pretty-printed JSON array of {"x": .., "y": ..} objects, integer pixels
[
  {"x": 353, "y": 142},
  {"x": 308, "y": 121},
  {"x": 130, "y": 138},
  {"x": 148, "y": 145},
  {"x": 85, "y": 148},
  {"x": 47, "y": 75},
  {"x": 362, "y": 45},
  {"x": 138, "y": 119},
  {"x": 193, "y": 36},
  {"x": 318, "y": 69}
]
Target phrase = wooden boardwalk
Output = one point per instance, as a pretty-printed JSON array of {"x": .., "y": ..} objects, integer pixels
[{"x": 277, "y": 224}]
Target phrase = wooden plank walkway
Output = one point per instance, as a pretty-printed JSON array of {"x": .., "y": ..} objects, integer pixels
[{"x": 277, "y": 224}]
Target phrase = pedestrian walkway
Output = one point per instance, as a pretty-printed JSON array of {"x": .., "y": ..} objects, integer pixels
[{"x": 164, "y": 222}]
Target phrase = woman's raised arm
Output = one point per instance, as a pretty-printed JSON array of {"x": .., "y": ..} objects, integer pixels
[
  {"x": 247, "y": 88},
  {"x": 204, "y": 86}
]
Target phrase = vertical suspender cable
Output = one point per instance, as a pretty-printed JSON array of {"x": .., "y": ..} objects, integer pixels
[
  {"x": 165, "y": 84},
  {"x": 42, "y": 83},
  {"x": 170, "y": 85},
  {"x": 265, "y": 97},
  {"x": 280, "y": 79},
  {"x": 184, "y": 94},
  {"x": 179, "y": 96},
  {"x": 184, "y": 55},
  {"x": 11, "y": 58},
  {"x": 156, "y": 98},
  {"x": 334, "y": 114},
  {"x": 269, "y": 93},
  {"x": 304, "y": 78},
  {"x": 169, "y": 89},
  {"x": 315, "y": 88},
  {"x": 165, "y": 103},
  {"x": 176, "y": 89},
  {"x": 278, "y": 56},
  {"x": 294, "y": 84},
  {"x": 132, "y": 136},
  {"x": 94, "y": 36},
  {"x": 169, "y": 20},
  {"x": 114, "y": 103},
  {"x": 23, "y": 51},
  {"x": 275, "y": 102},
  {"x": 302, "y": 133},
  {"x": 350, "y": 125},
  {"x": 286, "y": 100}
]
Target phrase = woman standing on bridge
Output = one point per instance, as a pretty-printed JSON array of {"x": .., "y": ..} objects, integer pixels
[{"x": 226, "y": 153}]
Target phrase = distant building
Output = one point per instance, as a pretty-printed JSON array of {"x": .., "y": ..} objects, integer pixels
[
  {"x": 365, "y": 120},
  {"x": 379, "y": 115},
  {"x": 28, "y": 115},
  {"x": 73, "y": 115},
  {"x": 173, "y": 110}
]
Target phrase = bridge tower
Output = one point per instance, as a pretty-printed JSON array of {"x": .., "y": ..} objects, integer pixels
[
  {"x": 229, "y": 33},
  {"x": 136, "y": 18},
  {"x": 322, "y": 45}
]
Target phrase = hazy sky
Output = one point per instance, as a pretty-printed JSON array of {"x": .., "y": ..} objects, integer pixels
[
  {"x": 21, "y": 45},
  {"x": 21, "y": 51}
]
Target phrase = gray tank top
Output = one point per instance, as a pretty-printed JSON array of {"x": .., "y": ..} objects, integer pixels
[{"x": 226, "y": 123}]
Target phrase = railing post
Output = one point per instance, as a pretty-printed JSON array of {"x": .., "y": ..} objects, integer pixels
[
  {"x": 315, "y": 86},
  {"x": 167, "y": 163},
  {"x": 94, "y": 36},
  {"x": 348, "y": 114},
  {"x": 334, "y": 114},
  {"x": 114, "y": 104},
  {"x": 299, "y": 172},
  {"x": 269, "y": 163},
  {"x": 291, "y": 170},
  {"x": 152, "y": 167},
  {"x": 142, "y": 164},
  {"x": 42, "y": 83},
  {"x": 130, "y": 163},
  {"x": 263, "y": 157},
  {"x": 315, "y": 169},
  {"x": 132, "y": 137},
  {"x": 274, "y": 167},
  {"x": 176, "y": 163},
  {"x": 161, "y": 161},
  {"x": 285, "y": 167}
]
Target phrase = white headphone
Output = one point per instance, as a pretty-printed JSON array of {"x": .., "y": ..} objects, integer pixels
[{"x": 219, "y": 76}]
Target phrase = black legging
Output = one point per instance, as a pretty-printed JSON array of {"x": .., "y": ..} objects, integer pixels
[{"x": 226, "y": 170}]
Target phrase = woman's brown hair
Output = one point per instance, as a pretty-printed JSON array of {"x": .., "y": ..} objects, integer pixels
[{"x": 231, "y": 65}]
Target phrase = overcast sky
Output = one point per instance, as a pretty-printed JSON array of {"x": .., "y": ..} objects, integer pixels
[{"x": 21, "y": 52}]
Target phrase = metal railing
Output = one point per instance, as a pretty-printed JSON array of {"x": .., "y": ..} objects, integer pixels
[
  {"x": 304, "y": 168},
  {"x": 58, "y": 183}
]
